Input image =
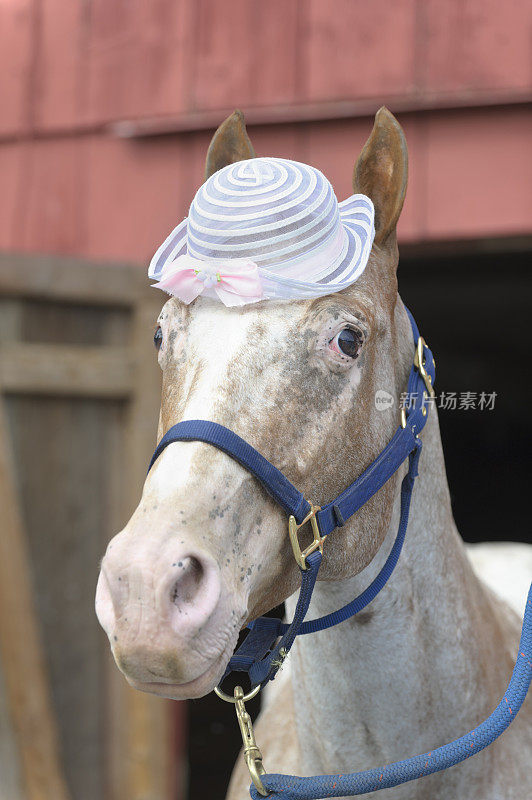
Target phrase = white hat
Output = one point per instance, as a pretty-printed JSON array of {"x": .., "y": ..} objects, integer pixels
[{"x": 273, "y": 223}]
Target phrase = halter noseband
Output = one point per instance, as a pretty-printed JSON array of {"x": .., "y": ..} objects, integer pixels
[{"x": 269, "y": 640}]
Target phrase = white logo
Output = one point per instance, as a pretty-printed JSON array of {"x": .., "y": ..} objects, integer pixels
[{"x": 383, "y": 400}]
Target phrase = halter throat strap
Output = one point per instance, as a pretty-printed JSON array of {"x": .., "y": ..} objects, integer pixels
[{"x": 261, "y": 654}]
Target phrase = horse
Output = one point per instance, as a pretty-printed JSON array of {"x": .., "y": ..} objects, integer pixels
[{"x": 206, "y": 551}]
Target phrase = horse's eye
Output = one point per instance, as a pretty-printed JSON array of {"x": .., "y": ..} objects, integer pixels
[
  {"x": 348, "y": 342},
  {"x": 158, "y": 337}
]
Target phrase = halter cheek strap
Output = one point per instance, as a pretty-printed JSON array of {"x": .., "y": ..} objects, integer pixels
[{"x": 270, "y": 640}]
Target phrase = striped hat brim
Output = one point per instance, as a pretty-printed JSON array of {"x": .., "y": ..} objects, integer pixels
[
  {"x": 280, "y": 215},
  {"x": 356, "y": 233}
]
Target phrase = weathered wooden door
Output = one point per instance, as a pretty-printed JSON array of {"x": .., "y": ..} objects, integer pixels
[{"x": 79, "y": 399}]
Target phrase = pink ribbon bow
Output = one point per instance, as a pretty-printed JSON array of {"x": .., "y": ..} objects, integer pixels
[{"x": 236, "y": 282}]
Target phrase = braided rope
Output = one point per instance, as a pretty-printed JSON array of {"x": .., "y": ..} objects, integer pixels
[{"x": 291, "y": 787}]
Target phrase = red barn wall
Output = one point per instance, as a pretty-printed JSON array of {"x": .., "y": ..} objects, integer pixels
[{"x": 86, "y": 89}]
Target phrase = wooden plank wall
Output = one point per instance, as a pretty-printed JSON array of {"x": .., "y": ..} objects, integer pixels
[
  {"x": 69, "y": 71},
  {"x": 30, "y": 725},
  {"x": 80, "y": 387},
  {"x": 69, "y": 65}
]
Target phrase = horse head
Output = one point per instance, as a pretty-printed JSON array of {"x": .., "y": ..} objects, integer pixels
[{"x": 207, "y": 549}]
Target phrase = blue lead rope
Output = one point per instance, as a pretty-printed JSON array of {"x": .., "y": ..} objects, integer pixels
[{"x": 291, "y": 787}]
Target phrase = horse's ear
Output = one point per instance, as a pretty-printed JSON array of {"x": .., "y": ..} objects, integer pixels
[
  {"x": 230, "y": 143},
  {"x": 381, "y": 172}
]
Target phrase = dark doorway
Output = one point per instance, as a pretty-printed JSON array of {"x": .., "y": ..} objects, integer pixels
[{"x": 475, "y": 312}]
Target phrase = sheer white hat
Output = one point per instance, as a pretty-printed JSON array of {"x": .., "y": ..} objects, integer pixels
[{"x": 266, "y": 228}]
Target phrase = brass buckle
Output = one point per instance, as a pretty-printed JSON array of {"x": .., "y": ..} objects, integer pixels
[
  {"x": 293, "y": 528},
  {"x": 419, "y": 363},
  {"x": 252, "y": 754}
]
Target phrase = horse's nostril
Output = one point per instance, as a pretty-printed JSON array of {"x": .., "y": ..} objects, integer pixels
[
  {"x": 190, "y": 591},
  {"x": 188, "y": 580}
]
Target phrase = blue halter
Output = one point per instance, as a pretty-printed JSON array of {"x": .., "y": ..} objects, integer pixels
[{"x": 269, "y": 640}]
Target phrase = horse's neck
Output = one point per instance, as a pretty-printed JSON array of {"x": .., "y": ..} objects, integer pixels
[{"x": 415, "y": 668}]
